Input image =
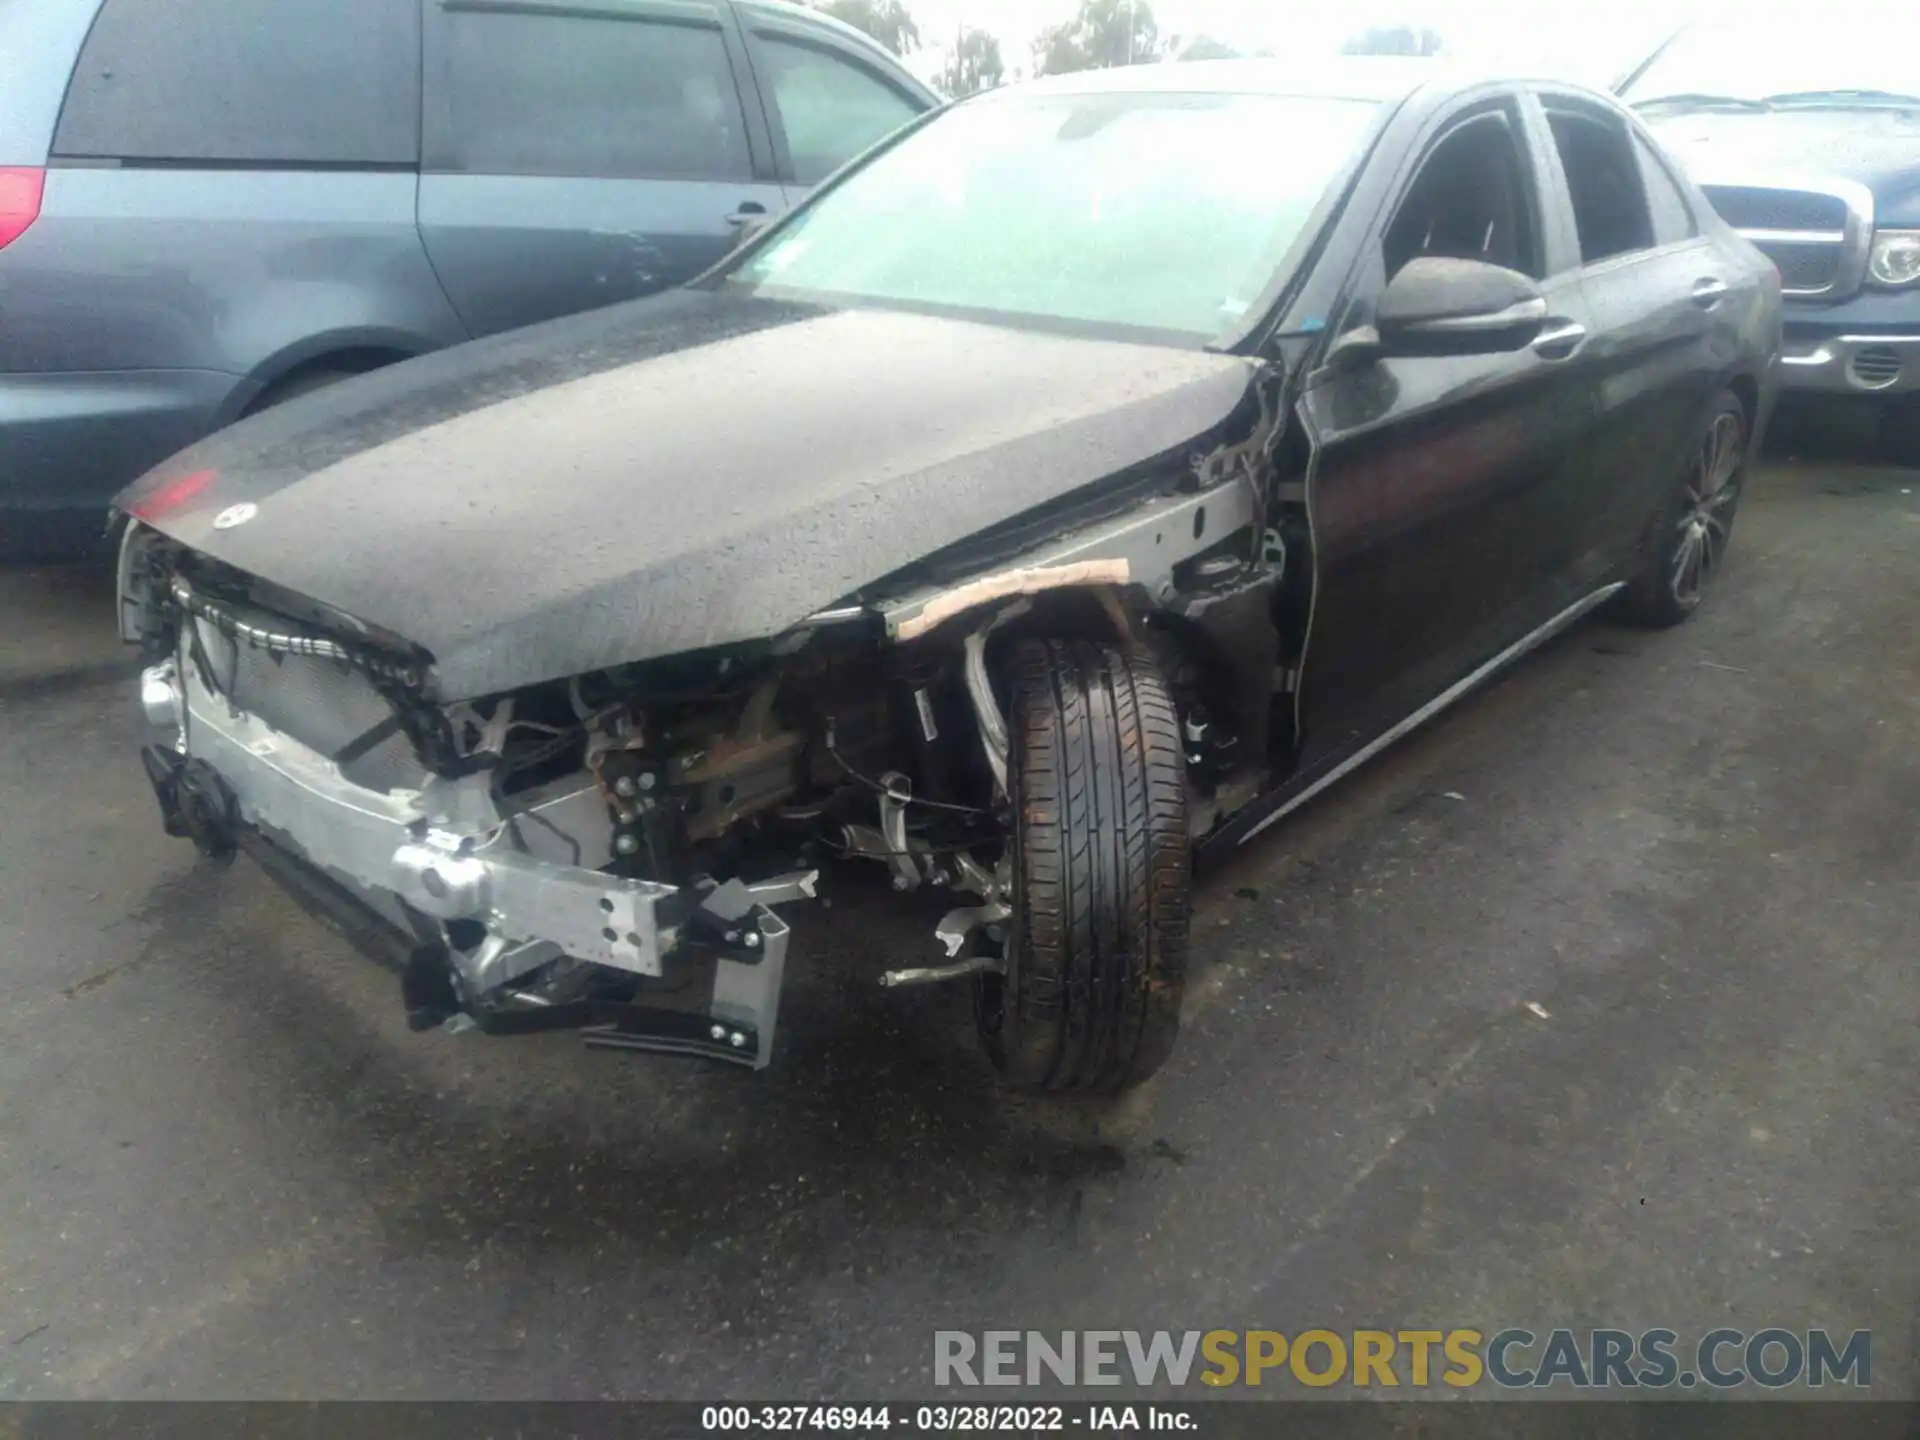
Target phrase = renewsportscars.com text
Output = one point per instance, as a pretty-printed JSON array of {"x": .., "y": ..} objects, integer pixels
[{"x": 1773, "y": 1357}]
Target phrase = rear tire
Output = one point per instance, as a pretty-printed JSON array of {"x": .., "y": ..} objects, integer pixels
[
  {"x": 1688, "y": 544},
  {"x": 1102, "y": 875}
]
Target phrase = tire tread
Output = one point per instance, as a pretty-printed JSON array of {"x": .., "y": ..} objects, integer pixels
[{"x": 1103, "y": 870}]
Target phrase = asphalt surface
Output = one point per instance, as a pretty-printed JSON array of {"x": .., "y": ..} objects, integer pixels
[{"x": 227, "y": 1169}]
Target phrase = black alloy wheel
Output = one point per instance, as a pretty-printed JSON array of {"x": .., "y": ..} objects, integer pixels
[{"x": 1689, "y": 544}]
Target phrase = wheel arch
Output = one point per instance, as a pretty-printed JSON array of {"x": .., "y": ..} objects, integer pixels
[
  {"x": 1100, "y": 614},
  {"x": 1746, "y": 390},
  {"x": 352, "y": 351}
]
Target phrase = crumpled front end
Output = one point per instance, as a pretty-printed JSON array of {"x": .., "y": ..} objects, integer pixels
[
  {"x": 606, "y": 849},
  {"x": 304, "y": 749}
]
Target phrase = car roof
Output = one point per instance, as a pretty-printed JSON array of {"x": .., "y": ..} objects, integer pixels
[{"x": 1380, "y": 78}]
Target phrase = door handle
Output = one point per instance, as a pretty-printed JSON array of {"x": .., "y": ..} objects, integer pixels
[
  {"x": 1709, "y": 292},
  {"x": 1559, "y": 339},
  {"x": 750, "y": 210}
]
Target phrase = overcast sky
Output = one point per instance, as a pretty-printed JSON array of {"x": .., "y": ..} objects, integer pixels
[{"x": 1574, "y": 39}]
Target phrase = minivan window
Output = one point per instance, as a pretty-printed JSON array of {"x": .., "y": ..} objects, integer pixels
[
  {"x": 547, "y": 94},
  {"x": 332, "y": 82},
  {"x": 1165, "y": 212},
  {"x": 831, "y": 108}
]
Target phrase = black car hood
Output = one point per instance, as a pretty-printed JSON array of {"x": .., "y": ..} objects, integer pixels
[
  {"x": 1880, "y": 148},
  {"x": 700, "y": 469}
]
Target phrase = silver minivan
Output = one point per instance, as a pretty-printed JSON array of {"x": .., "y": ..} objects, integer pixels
[{"x": 208, "y": 206}]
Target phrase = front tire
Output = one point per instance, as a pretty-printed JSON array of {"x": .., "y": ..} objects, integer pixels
[
  {"x": 1689, "y": 542},
  {"x": 1102, "y": 875}
]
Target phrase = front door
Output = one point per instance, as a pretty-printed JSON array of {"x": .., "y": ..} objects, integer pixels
[{"x": 1439, "y": 484}]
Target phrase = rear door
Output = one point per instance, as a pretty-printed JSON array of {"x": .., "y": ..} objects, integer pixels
[
  {"x": 1439, "y": 485},
  {"x": 576, "y": 153},
  {"x": 828, "y": 99},
  {"x": 1661, "y": 293}
]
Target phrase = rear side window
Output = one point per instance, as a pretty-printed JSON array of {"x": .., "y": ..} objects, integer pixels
[
  {"x": 1603, "y": 180},
  {"x": 248, "y": 81},
  {"x": 1672, "y": 216},
  {"x": 830, "y": 107},
  {"x": 545, "y": 94}
]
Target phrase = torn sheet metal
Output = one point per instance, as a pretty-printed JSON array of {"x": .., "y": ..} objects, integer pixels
[
  {"x": 1142, "y": 548},
  {"x": 1252, "y": 458},
  {"x": 1005, "y": 585}
]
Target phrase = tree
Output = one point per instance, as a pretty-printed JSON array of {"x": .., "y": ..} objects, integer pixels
[
  {"x": 887, "y": 21},
  {"x": 975, "y": 64},
  {"x": 1204, "y": 47},
  {"x": 1104, "y": 34},
  {"x": 1393, "y": 40}
]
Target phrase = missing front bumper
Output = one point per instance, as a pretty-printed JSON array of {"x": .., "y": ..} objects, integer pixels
[{"x": 413, "y": 869}]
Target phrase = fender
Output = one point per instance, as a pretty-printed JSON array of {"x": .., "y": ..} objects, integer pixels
[{"x": 400, "y": 344}]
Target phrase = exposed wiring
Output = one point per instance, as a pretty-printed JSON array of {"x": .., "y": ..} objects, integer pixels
[
  {"x": 879, "y": 789},
  {"x": 563, "y": 739},
  {"x": 514, "y": 813},
  {"x": 540, "y": 754}
]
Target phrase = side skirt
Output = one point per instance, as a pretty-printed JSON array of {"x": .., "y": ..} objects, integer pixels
[{"x": 1288, "y": 798}]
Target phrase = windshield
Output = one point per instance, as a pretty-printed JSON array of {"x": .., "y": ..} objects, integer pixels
[
  {"x": 1165, "y": 212},
  {"x": 1748, "y": 60}
]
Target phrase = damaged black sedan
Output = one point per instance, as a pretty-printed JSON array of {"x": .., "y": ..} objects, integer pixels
[{"x": 1075, "y": 485}]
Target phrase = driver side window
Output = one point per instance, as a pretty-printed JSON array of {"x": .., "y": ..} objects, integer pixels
[{"x": 1472, "y": 200}]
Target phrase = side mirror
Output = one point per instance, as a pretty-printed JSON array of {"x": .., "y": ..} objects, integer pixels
[{"x": 1438, "y": 306}]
